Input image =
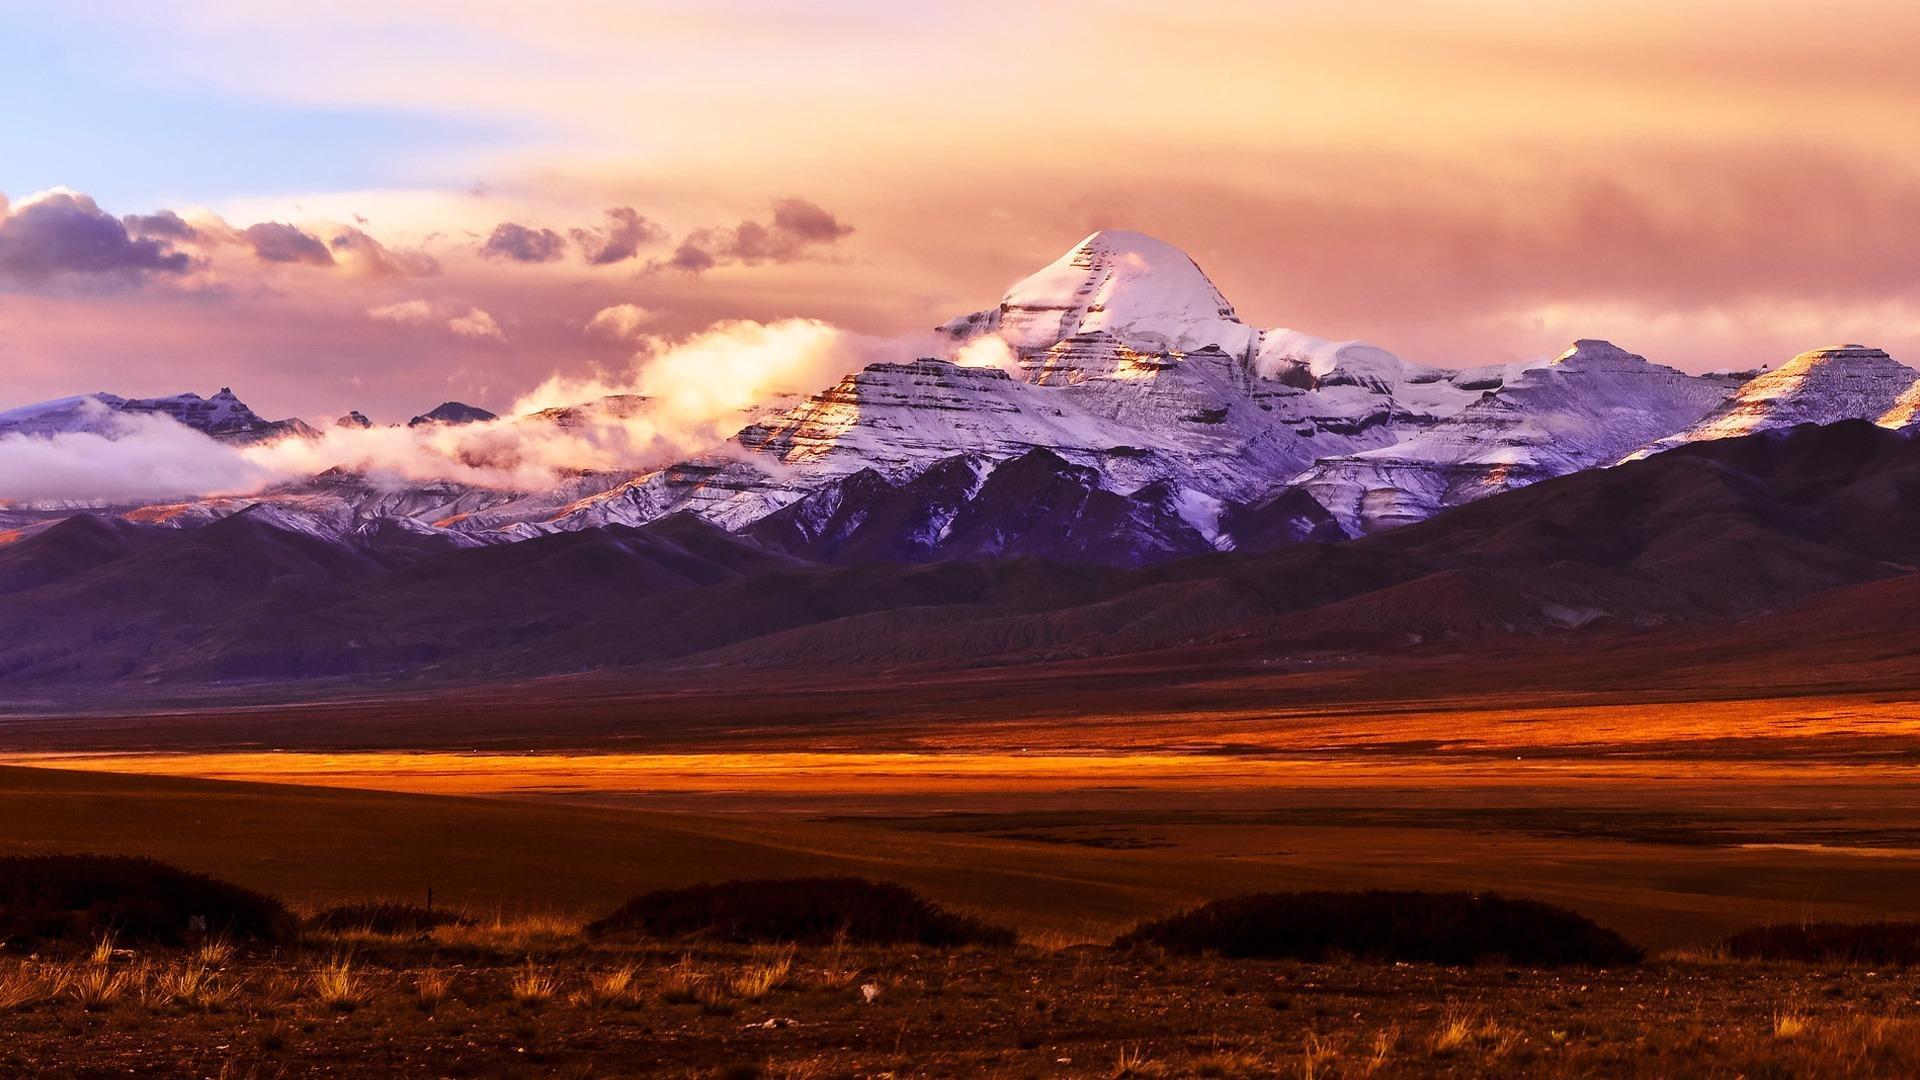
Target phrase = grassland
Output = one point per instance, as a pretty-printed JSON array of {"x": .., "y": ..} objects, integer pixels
[{"x": 1674, "y": 820}]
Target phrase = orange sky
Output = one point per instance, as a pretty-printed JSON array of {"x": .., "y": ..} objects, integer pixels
[{"x": 1463, "y": 183}]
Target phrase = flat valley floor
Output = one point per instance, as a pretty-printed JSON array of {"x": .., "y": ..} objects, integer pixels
[{"x": 1672, "y": 817}]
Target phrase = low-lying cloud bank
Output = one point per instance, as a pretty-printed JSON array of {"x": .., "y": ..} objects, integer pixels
[
  {"x": 131, "y": 458},
  {"x": 674, "y": 399}
]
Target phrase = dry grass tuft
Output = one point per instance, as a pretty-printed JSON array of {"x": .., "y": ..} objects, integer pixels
[
  {"x": 1385, "y": 1042},
  {"x": 532, "y": 933},
  {"x": 98, "y": 986},
  {"x": 431, "y": 989},
  {"x": 1789, "y": 1025},
  {"x": 23, "y": 986},
  {"x": 338, "y": 987},
  {"x": 605, "y": 988},
  {"x": 1132, "y": 1062},
  {"x": 765, "y": 974},
  {"x": 214, "y": 952},
  {"x": 836, "y": 970},
  {"x": 192, "y": 985},
  {"x": 532, "y": 987},
  {"x": 1464, "y": 1030},
  {"x": 681, "y": 984},
  {"x": 1231, "y": 1065},
  {"x": 1317, "y": 1055}
]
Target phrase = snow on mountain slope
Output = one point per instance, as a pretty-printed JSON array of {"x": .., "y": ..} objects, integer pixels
[
  {"x": 83, "y": 412},
  {"x": 1592, "y": 404},
  {"x": 1839, "y": 382}
]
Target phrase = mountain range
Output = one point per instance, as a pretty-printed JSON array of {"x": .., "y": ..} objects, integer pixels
[
  {"x": 1128, "y": 406},
  {"x": 1111, "y": 462},
  {"x": 1731, "y": 532}
]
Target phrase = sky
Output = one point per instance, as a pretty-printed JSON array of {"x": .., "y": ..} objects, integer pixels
[{"x": 384, "y": 205}]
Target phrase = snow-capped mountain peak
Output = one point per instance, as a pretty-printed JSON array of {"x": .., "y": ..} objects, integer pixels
[
  {"x": 1820, "y": 386},
  {"x": 1595, "y": 353},
  {"x": 1141, "y": 290}
]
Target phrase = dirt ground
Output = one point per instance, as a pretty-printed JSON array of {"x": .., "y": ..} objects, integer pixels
[{"x": 534, "y": 1010}]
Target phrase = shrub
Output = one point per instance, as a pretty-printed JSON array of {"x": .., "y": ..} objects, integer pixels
[
  {"x": 384, "y": 918},
  {"x": 1888, "y": 942},
  {"x": 806, "y": 910},
  {"x": 82, "y": 899},
  {"x": 1440, "y": 928}
]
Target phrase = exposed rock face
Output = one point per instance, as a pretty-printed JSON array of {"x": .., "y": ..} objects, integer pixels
[
  {"x": 1037, "y": 504},
  {"x": 354, "y": 419},
  {"x": 452, "y": 412}
]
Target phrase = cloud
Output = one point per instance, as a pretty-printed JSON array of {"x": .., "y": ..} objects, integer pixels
[
  {"x": 798, "y": 227},
  {"x": 365, "y": 255},
  {"x": 134, "y": 458},
  {"x": 690, "y": 257},
  {"x": 162, "y": 225},
  {"x": 990, "y": 351},
  {"x": 65, "y": 235},
  {"x": 476, "y": 324},
  {"x": 405, "y": 312},
  {"x": 806, "y": 223},
  {"x": 698, "y": 391},
  {"x": 703, "y": 388},
  {"x": 620, "y": 239},
  {"x": 689, "y": 395},
  {"x": 622, "y": 322},
  {"x": 521, "y": 243},
  {"x": 473, "y": 323},
  {"x": 278, "y": 242}
]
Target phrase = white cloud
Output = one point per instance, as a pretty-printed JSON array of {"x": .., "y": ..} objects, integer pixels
[
  {"x": 476, "y": 324},
  {"x": 990, "y": 351},
  {"x": 406, "y": 312},
  {"x": 698, "y": 392},
  {"x": 133, "y": 458},
  {"x": 622, "y": 322}
]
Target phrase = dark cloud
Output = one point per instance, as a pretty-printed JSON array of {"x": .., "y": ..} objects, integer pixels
[
  {"x": 806, "y": 222},
  {"x": 689, "y": 257},
  {"x": 274, "y": 241},
  {"x": 798, "y": 226},
  {"x": 160, "y": 225},
  {"x": 620, "y": 239},
  {"x": 370, "y": 256},
  {"x": 522, "y": 243},
  {"x": 68, "y": 235}
]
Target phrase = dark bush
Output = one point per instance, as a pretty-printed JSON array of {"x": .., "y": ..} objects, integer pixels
[
  {"x": 806, "y": 910},
  {"x": 81, "y": 898},
  {"x": 1437, "y": 928},
  {"x": 1894, "y": 943},
  {"x": 384, "y": 918}
]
